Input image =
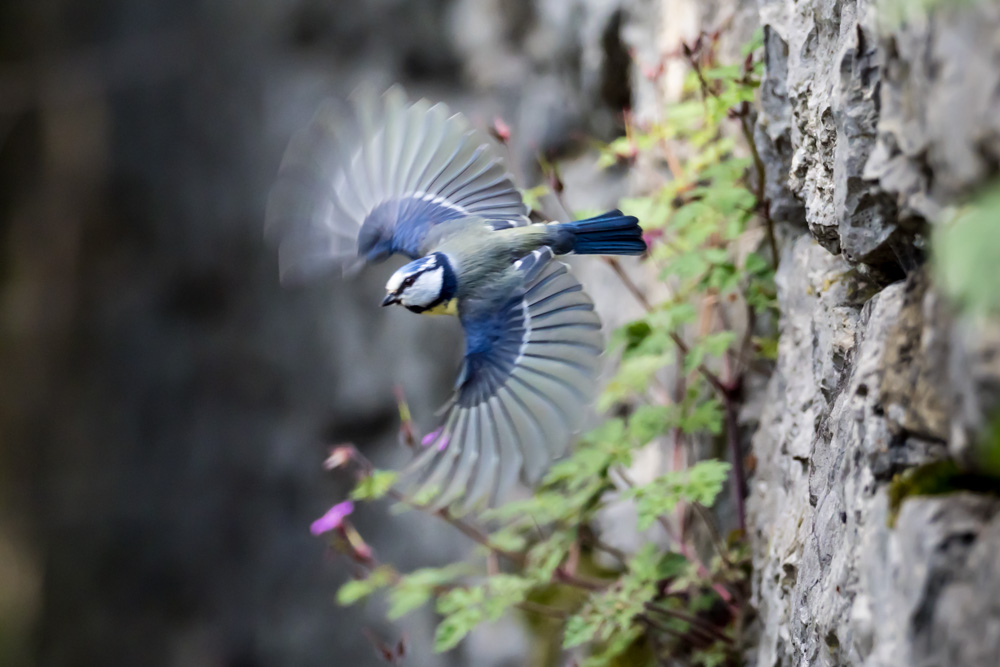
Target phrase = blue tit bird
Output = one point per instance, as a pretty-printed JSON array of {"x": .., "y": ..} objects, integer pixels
[{"x": 416, "y": 180}]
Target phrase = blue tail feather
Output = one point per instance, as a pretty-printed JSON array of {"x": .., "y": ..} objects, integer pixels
[{"x": 611, "y": 233}]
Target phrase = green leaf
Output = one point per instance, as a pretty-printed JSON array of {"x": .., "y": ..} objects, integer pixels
[
  {"x": 533, "y": 196},
  {"x": 633, "y": 377},
  {"x": 756, "y": 42},
  {"x": 453, "y": 629},
  {"x": 967, "y": 253},
  {"x": 756, "y": 265},
  {"x": 358, "y": 589},
  {"x": 713, "y": 344},
  {"x": 705, "y": 480},
  {"x": 722, "y": 277},
  {"x": 767, "y": 346},
  {"x": 704, "y": 415},
  {"x": 618, "y": 645},
  {"x": 458, "y": 599},
  {"x": 650, "y": 421},
  {"x": 580, "y": 630},
  {"x": 374, "y": 486},
  {"x": 505, "y": 591},
  {"x": 547, "y": 555},
  {"x": 634, "y": 333},
  {"x": 723, "y": 72},
  {"x": 700, "y": 483},
  {"x": 465, "y": 608},
  {"x": 714, "y": 656},
  {"x": 672, "y": 316},
  {"x": 416, "y": 588},
  {"x": 426, "y": 494},
  {"x": 716, "y": 255},
  {"x": 509, "y": 538},
  {"x": 652, "y": 211}
]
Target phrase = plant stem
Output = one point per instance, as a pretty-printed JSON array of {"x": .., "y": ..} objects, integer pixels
[
  {"x": 713, "y": 532},
  {"x": 542, "y": 609},
  {"x": 579, "y": 581},
  {"x": 737, "y": 474},
  {"x": 762, "y": 202},
  {"x": 594, "y": 541},
  {"x": 656, "y": 625},
  {"x": 478, "y": 536},
  {"x": 705, "y": 627}
]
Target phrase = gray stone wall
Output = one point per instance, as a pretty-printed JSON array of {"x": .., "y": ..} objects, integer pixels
[{"x": 874, "y": 121}]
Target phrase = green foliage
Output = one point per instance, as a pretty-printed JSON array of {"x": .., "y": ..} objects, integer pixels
[
  {"x": 939, "y": 478},
  {"x": 609, "y": 618},
  {"x": 358, "y": 589},
  {"x": 374, "y": 486},
  {"x": 465, "y": 608},
  {"x": 700, "y": 483},
  {"x": 418, "y": 587},
  {"x": 967, "y": 254},
  {"x": 533, "y": 196},
  {"x": 988, "y": 449}
]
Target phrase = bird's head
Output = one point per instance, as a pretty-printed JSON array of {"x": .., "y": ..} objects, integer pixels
[{"x": 422, "y": 284}]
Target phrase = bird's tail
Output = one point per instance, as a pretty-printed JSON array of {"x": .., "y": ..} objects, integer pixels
[{"x": 609, "y": 234}]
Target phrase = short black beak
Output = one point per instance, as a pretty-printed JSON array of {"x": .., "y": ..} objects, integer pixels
[{"x": 390, "y": 299}]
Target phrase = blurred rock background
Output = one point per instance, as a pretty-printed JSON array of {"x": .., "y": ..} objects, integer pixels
[{"x": 165, "y": 406}]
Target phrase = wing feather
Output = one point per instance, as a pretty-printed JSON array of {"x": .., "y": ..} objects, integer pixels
[
  {"x": 350, "y": 192},
  {"x": 529, "y": 373},
  {"x": 483, "y": 477}
]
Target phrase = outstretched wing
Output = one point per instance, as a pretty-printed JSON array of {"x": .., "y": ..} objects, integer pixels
[
  {"x": 530, "y": 370},
  {"x": 354, "y": 192}
]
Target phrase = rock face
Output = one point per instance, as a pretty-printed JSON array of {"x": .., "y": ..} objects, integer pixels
[{"x": 871, "y": 125}]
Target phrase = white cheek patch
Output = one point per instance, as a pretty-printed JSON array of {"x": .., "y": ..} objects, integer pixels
[
  {"x": 395, "y": 280},
  {"x": 425, "y": 290}
]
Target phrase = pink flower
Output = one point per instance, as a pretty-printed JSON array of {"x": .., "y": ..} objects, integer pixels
[
  {"x": 339, "y": 456},
  {"x": 651, "y": 235},
  {"x": 332, "y": 519},
  {"x": 500, "y": 130},
  {"x": 429, "y": 439}
]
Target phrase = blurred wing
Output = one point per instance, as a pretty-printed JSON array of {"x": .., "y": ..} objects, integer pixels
[
  {"x": 349, "y": 193},
  {"x": 529, "y": 373}
]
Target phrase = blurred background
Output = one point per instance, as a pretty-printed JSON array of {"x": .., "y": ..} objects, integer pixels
[{"x": 165, "y": 406}]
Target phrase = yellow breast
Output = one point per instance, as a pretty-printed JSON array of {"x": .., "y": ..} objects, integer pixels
[{"x": 446, "y": 308}]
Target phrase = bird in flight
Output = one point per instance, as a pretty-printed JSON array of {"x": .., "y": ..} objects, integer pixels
[{"x": 414, "y": 179}]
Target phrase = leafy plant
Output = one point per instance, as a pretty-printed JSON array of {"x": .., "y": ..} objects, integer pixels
[
  {"x": 967, "y": 252},
  {"x": 680, "y": 381}
]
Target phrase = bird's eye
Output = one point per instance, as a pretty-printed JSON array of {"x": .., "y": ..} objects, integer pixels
[{"x": 409, "y": 281}]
